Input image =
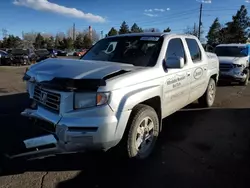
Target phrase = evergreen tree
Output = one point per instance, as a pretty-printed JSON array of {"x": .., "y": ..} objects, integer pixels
[
  {"x": 136, "y": 29},
  {"x": 49, "y": 42},
  {"x": 87, "y": 42},
  {"x": 78, "y": 44},
  {"x": 124, "y": 28},
  {"x": 112, "y": 32},
  {"x": 11, "y": 41},
  {"x": 167, "y": 30},
  {"x": 236, "y": 30},
  {"x": 39, "y": 41},
  {"x": 213, "y": 36}
]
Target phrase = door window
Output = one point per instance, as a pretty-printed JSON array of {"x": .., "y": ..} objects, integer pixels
[
  {"x": 175, "y": 49},
  {"x": 194, "y": 50}
]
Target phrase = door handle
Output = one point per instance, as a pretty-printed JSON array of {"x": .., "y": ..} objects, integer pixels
[
  {"x": 205, "y": 69},
  {"x": 188, "y": 73}
]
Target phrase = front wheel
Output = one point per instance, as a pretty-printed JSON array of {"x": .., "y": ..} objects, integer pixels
[
  {"x": 207, "y": 99},
  {"x": 245, "y": 83},
  {"x": 142, "y": 132}
]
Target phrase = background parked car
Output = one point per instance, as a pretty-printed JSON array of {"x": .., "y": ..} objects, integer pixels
[
  {"x": 43, "y": 54},
  {"x": 52, "y": 52},
  {"x": 4, "y": 58},
  {"x": 71, "y": 53},
  {"x": 22, "y": 56},
  {"x": 62, "y": 53},
  {"x": 80, "y": 52}
]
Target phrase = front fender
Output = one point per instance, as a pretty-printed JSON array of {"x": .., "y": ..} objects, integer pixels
[{"x": 131, "y": 99}]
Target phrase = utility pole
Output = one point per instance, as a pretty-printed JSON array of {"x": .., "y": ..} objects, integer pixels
[
  {"x": 199, "y": 32},
  {"x": 74, "y": 32},
  {"x": 101, "y": 34}
]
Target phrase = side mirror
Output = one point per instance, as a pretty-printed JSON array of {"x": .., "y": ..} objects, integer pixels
[{"x": 174, "y": 62}]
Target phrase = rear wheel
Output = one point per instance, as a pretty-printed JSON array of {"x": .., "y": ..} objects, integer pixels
[
  {"x": 207, "y": 99},
  {"x": 142, "y": 133}
]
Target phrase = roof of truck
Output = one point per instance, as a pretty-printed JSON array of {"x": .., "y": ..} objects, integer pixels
[
  {"x": 149, "y": 34},
  {"x": 233, "y": 44}
]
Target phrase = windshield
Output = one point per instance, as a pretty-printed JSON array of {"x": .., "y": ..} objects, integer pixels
[
  {"x": 134, "y": 50},
  {"x": 231, "y": 51},
  {"x": 3, "y": 52},
  {"x": 19, "y": 51}
]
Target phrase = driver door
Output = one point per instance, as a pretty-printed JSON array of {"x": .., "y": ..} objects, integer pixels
[{"x": 177, "y": 80}]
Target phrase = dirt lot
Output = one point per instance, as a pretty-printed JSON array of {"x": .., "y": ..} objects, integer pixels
[{"x": 197, "y": 149}]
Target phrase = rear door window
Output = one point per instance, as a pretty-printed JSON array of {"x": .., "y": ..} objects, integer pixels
[{"x": 194, "y": 50}]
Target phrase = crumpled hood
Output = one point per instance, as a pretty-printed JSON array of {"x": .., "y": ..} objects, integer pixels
[
  {"x": 74, "y": 69},
  {"x": 230, "y": 60}
]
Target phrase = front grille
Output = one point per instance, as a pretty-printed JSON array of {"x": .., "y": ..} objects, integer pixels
[
  {"x": 47, "y": 99},
  {"x": 226, "y": 67}
]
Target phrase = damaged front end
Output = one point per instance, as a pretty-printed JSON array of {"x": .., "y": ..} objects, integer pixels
[
  {"x": 233, "y": 72},
  {"x": 73, "y": 115}
]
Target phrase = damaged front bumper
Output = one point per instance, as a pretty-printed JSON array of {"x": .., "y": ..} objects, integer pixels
[
  {"x": 237, "y": 75},
  {"x": 70, "y": 134}
]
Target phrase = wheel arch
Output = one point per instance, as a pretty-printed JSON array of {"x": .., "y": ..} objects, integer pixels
[{"x": 215, "y": 77}]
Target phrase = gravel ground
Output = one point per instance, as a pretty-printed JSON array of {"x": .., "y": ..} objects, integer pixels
[{"x": 203, "y": 148}]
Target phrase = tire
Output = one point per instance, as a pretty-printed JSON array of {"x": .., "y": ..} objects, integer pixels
[
  {"x": 136, "y": 131},
  {"x": 207, "y": 99},
  {"x": 245, "y": 83}
]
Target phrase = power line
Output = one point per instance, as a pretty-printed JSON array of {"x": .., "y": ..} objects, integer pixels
[{"x": 214, "y": 10}]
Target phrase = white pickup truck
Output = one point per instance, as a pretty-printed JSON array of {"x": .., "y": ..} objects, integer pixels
[
  {"x": 234, "y": 62},
  {"x": 117, "y": 97}
]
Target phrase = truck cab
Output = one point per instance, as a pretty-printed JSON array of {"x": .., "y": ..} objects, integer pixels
[{"x": 234, "y": 62}]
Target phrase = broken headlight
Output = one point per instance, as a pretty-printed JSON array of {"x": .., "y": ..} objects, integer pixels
[
  {"x": 238, "y": 65},
  {"x": 87, "y": 100}
]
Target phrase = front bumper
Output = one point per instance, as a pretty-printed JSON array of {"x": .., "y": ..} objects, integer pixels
[
  {"x": 231, "y": 76},
  {"x": 73, "y": 134}
]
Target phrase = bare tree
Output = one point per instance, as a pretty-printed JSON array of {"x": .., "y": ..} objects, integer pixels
[
  {"x": 70, "y": 33},
  {"x": 29, "y": 39},
  {"x": 61, "y": 35},
  {"x": 95, "y": 35},
  {"x": 46, "y": 35},
  {"x": 195, "y": 31}
]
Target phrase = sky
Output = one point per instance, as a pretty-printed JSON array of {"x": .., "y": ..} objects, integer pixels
[{"x": 52, "y": 16}]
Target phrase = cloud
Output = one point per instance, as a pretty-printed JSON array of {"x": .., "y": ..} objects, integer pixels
[
  {"x": 204, "y": 1},
  {"x": 148, "y": 10},
  {"x": 150, "y": 15},
  {"x": 157, "y": 10},
  {"x": 247, "y": 1},
  {"x": 45, "y": 5}
]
